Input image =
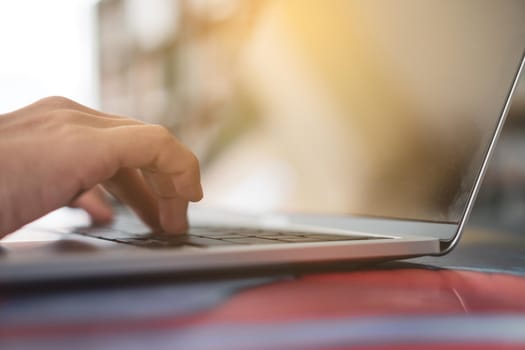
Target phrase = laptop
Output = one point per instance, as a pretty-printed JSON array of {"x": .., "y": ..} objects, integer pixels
[{"x": 350, "y": 132}]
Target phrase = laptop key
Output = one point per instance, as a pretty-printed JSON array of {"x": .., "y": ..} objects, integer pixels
[
  {"x": 252, "y": 240},
  {"x": 149, "y": 243},
  {"x": 213, "y": 236},
  {"x": 299, "y": 239},
  {"x": 108, "y": 234},
  {"x": 273, "y": 234},
  {"x": 197, "y": 230},
  {"x": 204, "y": 242},
  {"x": 221, "y": 235},
  {"x": 172, "y": 242}
]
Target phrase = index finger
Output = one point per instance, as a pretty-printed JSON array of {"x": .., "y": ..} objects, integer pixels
[{"x": 152, "y": 147}]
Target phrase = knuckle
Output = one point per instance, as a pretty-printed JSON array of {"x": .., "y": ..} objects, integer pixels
[
  {"x": 193, "y": 164},
  {"x": 57, "y": 102},
  {"x": 167, "y": 143},
  {"x": 191, "y": 174},
  {"x": 162, "y": 134}
]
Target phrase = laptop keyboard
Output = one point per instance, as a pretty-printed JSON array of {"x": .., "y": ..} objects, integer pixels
[{"x": 213, "y": 236}]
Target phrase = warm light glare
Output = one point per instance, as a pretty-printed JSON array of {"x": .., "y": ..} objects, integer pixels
[{"x": 47, "y": 49}]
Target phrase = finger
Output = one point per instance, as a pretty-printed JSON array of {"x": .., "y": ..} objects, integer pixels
[
  {"x": 66, "y": 111},
  {"x": 153, "y": 148},
  {"x": 129, "y": 186},
  {"x": 95, "y": 204},
  {"x": 172, "y": 209},
  {"x": 92, "y": 120},
  {"x": 61, "y": 103},
  {"x": 173, "y": 214}
]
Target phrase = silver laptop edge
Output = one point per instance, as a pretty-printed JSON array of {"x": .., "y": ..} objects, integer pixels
[{"x": 447, "y": 246}]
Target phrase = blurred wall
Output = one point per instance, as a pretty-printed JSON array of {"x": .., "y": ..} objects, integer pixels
[{"x": 196, "y": 66}]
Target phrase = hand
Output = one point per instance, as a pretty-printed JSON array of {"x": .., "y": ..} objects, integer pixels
[{"x": 55, "y": 150}]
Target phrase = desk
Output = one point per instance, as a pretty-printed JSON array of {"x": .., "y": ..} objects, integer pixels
[{"x": 473, "y": 298}]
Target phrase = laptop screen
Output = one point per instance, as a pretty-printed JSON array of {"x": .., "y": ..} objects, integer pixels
[{"x": 380, "y": 108}]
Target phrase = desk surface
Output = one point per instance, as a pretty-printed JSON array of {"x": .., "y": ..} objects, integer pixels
[
  {"x": 486, "y": 250},
  {"x": 469, "y": 299}
]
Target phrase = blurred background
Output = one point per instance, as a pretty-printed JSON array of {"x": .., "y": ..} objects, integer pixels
[{"x": 286, "y": 102}]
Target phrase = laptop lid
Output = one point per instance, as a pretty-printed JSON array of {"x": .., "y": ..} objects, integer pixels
[
  {"x": 374, "y": 108},
  {"x": 378, "y": 111}
]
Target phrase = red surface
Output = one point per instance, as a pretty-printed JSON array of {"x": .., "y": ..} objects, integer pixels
[
  {"x": 432, "y": 347},
  {"x": 387, "y": 293},
  {"x": 377, "y": 293}
]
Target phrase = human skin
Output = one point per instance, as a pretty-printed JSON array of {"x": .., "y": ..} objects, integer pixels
[{"x": 56, "y": 152}]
